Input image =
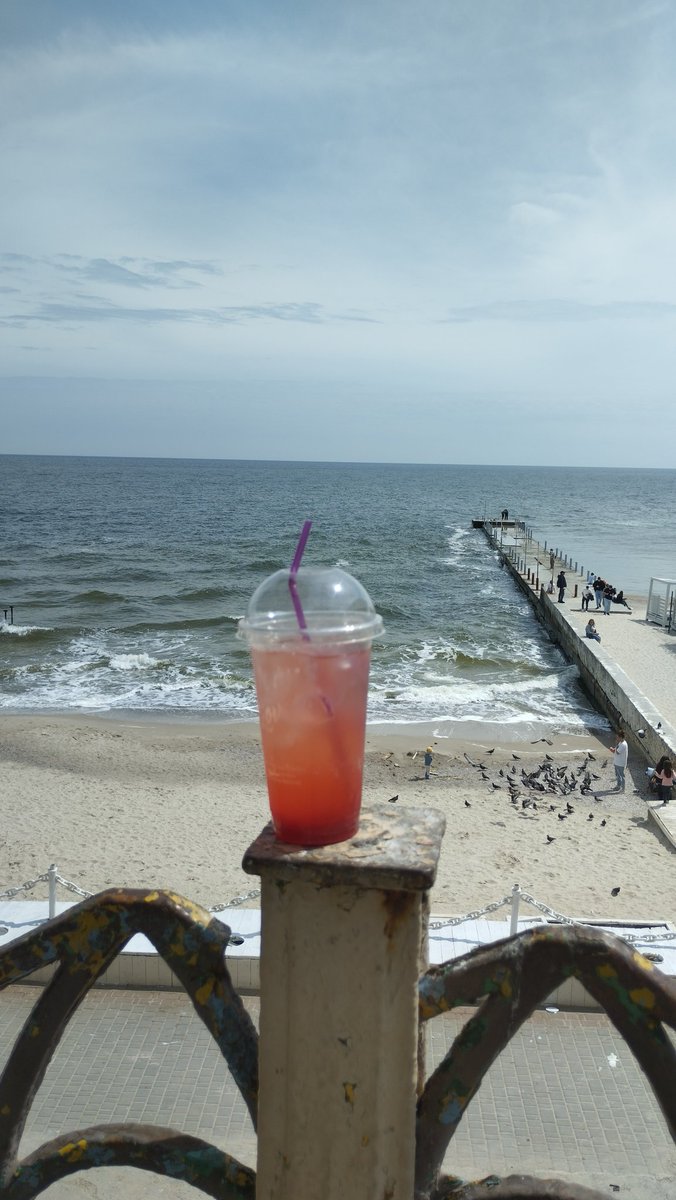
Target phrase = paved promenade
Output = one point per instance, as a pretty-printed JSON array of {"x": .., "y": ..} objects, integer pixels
[{"x": 565, "y": 1098}]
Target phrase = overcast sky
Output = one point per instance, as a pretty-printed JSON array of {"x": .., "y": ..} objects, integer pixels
[{"x": 441, "y": 230}]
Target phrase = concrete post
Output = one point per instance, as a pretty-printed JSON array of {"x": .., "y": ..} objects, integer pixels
[
  {"x": 342, "y": 931},
  {"x": 514, "y": 915},
  {"x": 51, "y": 883}
]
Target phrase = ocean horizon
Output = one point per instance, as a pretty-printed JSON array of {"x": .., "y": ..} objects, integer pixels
[{"x": 128, "y": 577}]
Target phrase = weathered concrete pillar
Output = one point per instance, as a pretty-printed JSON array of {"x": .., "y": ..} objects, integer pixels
[{"x": 342, "y": 932}]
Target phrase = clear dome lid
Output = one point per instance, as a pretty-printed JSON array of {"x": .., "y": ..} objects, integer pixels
[{"x": 322, "y": 601}]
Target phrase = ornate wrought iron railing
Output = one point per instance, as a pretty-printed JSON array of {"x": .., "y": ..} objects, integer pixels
[
  {"x": 83, "y": 942},
  {"x": 507, "y": 980}
]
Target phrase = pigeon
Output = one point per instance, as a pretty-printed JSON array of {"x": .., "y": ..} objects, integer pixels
[
  {"x": 590, "y": 756},
  {"x": 549, "y": 758},
  {"x": 659, "y": 724},
  {"x": 550, "y": 839},
  {"x": 516, "y": 757},
  {"x": 562, "y": 816},
  {"x": 615, "y": 892},
  {"x": 393, "y": 799},
  {"x": 569, "y": 807},
  {"x": 590, "y": 817},
  {"x": 496, "y": 786},
  {"x": 467, "y": 804},
  {"x": 484, "y": 775},
  {"x": 604, "y": 764},
  {"x": 603, "y": 822}
]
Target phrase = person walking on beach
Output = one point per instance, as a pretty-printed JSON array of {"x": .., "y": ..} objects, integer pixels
[
  {"x": 665, "y": 779},
  {"x": 562, "y": 584},
  {"x": 620, "y": 755},
  {"x": 591, "y": 631},
  {"x": 428, "y": 761},
  {"x": 607, "y": 597},
  {"x": 599, "y": 585}
]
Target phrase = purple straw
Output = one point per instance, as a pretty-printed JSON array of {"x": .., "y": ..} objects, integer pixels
[{"x": 293, "y": 572}]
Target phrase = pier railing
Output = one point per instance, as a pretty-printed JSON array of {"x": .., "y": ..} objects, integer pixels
[{"x": 335, "y": 1082}]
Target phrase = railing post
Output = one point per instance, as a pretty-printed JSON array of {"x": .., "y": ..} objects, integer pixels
[
  {"x": 342, "y": 930},
  {"x": 52, "y": 890},
  {"x": 514, "y": 920}
]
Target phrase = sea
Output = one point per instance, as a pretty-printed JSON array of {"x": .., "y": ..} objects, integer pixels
[{"x": 128, "y": 577}]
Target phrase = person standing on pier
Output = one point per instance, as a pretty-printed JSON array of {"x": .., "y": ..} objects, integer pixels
[
  {"x": 599, "y": 585},
  {"x": 562, "y": 584},
  {"x": 587, "y": 596},
  {"x": 620, "y": 755}
]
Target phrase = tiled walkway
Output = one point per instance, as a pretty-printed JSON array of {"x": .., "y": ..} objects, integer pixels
[{"x": 565, "y": 1098}]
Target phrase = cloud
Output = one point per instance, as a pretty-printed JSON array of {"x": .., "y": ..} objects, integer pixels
[{"x": 562, "y": 310}]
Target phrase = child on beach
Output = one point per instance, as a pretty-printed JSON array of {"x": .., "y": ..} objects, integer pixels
[
  {"x": 665, "y": 778},
  {"x": 428, "y": 761}
]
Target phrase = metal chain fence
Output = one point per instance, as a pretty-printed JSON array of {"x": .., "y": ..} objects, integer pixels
[{"x": 516, "y": 897}]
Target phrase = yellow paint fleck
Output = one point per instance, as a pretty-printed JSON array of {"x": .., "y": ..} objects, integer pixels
[
  {"x": 605, "y": 971},
  {"x": 506, "y": 988},
  {"x": 365, "y": 1141},
  {"x": 349, "y": 1090},
  {"x": 643, "y": 996},
  {"x": 202, "y": 994},
  {"x": 644, "y": 963},
  {"x": 35, "y": 1030},
  {"x": 73, "y": 1151},
  {"x": 5, "y": 1110},
  {"x": 151, "y": 897}
]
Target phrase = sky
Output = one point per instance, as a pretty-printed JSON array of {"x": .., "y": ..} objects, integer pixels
[{"x": 437, "y": 231}]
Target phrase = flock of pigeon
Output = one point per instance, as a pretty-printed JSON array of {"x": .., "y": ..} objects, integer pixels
[{"x": 546, "y": 787}]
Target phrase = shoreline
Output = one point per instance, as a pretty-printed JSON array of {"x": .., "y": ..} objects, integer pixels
[{"x": 175, "y": 805}]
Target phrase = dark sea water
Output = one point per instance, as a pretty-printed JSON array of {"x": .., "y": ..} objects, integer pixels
[{"x": 128, "y": 577}]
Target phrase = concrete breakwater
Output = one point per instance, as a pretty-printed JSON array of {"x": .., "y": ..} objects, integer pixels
[{"x": 614, "y": 692}]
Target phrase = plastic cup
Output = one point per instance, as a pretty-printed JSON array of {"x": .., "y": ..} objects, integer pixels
[{"x": 312, "y": 685}]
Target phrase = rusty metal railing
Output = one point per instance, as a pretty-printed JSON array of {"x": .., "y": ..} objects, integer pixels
[
  {"x": 510, "y": 978},
  {"x": 83, "y": 942},
  {"x": 507, "y": 980}
]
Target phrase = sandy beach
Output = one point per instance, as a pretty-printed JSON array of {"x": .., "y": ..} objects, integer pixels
[{"x": 158, "y": 804}]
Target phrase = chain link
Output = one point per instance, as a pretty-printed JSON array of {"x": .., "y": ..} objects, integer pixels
[
  {"x": 72, "y": 887},
  {"x": 236, "y": 900},
  {"x": 23, "y": 887}
]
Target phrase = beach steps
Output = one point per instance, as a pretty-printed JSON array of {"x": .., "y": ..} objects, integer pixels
[{"x": 139, "y": 966}]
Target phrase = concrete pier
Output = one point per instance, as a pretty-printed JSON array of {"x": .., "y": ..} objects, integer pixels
[{"x": 630, "y": 675}]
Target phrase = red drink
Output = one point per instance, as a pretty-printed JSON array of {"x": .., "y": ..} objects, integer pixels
[{"x": 312, "y": 706}]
